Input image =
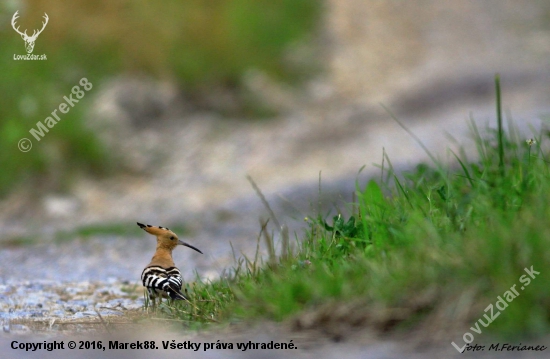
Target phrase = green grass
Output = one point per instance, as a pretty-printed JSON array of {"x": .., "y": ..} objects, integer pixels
[
  {"x": 89, "y": 231},
  {"x": 111, "y": 229},
  {"x": 446, "y": 239}
]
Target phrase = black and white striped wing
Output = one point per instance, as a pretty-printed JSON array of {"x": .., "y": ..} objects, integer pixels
[{"x": 163, "y": 281}]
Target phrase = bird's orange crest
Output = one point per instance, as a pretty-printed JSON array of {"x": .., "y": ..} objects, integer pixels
[{"x": 154, "y": 230}]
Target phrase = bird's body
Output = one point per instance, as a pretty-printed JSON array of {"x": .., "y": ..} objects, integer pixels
[
  {"x": 161, "y": 277},
  {"x": 162, "y": 282}
]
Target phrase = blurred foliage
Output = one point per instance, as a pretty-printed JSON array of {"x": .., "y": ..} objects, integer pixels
[{"x": 200, "y": 43}]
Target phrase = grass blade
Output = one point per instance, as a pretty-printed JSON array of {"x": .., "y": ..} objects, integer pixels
[
  {"x": 464, "y": 169},
  {"x": 500, "y": 130},
  {"x": 432, "y": 157},
  {"x": 402, "y": 190}
]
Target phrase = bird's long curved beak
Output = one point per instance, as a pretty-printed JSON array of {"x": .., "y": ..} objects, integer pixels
[{"x": 190, "y": 246}]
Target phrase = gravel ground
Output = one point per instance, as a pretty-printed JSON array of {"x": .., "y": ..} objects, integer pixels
[{"x": 51, "y": 301}]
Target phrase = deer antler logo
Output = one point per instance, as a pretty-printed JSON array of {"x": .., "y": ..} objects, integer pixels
[{"x": 29, "y": 40}]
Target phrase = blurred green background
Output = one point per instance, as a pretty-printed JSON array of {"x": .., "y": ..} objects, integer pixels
[{"x": 199, "y": 44}]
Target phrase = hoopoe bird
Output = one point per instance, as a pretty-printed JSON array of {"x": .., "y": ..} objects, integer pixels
[{"x": 161, "y": 277}]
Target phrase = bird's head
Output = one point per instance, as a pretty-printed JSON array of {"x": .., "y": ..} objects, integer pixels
[{"x": 165, "y": 237}]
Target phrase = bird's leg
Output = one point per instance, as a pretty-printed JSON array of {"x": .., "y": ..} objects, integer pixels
[{"x": 153, "y": 302}]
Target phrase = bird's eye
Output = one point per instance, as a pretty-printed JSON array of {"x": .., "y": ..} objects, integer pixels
[{"x": 172, "y": 237}]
